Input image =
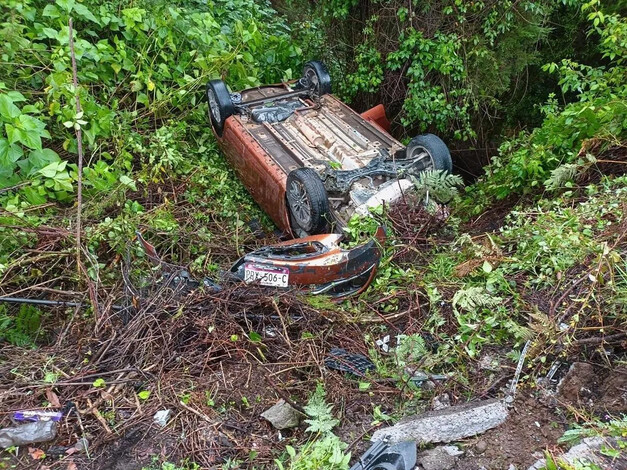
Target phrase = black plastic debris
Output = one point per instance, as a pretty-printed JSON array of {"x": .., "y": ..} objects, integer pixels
[
  {"x": 382, "y": 456},
  {"x": 342, "y": 360}
]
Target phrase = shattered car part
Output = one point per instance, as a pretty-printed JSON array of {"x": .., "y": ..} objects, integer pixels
[
  {"x": 309, "y": 160},
  {"x": 356, "y": 364},
  {"x": 316, "y": 264},
  {"x": 382, "y": 456}
]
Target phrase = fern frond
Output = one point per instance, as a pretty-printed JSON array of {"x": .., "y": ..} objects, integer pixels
[
  {"x": 473, "y": 298},
  {"x": 320, "y": 412},
  {"x": 561, "y": 175},
  {"x": 438, "y": 185}
]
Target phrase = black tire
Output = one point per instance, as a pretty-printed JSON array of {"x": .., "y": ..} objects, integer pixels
[
  {"x": 220, "y": 105},
  {"x": 436, "y": 151},
  {"x": 316, "y": 73},
  {"x": 307, "y": 201}
]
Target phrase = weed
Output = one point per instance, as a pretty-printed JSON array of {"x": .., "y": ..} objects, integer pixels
[{"x": 22, "y": 329}]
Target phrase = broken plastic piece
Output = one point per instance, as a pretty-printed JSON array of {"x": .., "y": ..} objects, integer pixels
[
  {"x": 342, "y": 360},
  {"x": 37, "y": 415},
  {"x": 38, "y": 431},
  {"x": 382, "y": 456}
]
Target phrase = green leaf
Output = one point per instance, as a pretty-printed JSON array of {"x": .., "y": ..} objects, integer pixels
[
  {"x": 51, "y": 11},
  {"x": 9, "y": 154},
  {"x": 40, "y": 158},
  {"x": 363, "y": 386},
  {"x": 99, "y": 383},
  {"x": 144, "y": 394},
  {"x": 16, "y": 96},
  {"x": 14, "y": 134},
  {"x": 49, "y": 171},
  {"x": 67, "y": 5},
  {"x": 32, "y": 139},
  {"x": 129, "y": 182},
  {"x": 7, "y": 109},
  {"x": 254, "y": 337},
  {"x": 50, "y": 33},
  {"x": 84, "y": 12}
]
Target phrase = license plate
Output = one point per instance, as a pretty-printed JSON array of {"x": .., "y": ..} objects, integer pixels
[{"x": 266, "y": 275}]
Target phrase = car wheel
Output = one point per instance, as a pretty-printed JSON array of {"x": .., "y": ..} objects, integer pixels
[
  {"x": 307, "y": 201},
  {"x": 432, "y": 151},
  {"x": 220, "y": 104},
  {"x": 315, "y": 73}
]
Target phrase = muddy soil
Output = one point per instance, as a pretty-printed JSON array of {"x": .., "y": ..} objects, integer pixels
[{"x": 530, "y": 429}]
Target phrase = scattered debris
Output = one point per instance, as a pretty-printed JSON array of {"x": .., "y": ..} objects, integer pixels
[
  {"x": 521, "y": 361},
  {"x": 441, "y": 401},
  {"x": 37, "y": 415},
  {"x": 282, "y": 415},
  {"x": 447, "y": 425},
  {"x": 342, "y": 360},
  {"x": 161, "y": 417},
  {"x": 82, "y": 445},
  {"x": 384, "y": 343},
  {"x": 401, "y": 456},
  {"x": 421, "y": 378},
  {"x": 589, "y": 451},
  {"x": 37, "y": 431},
  {"x": 439, "y": 458},
  {"x": 489, "y": 362}
]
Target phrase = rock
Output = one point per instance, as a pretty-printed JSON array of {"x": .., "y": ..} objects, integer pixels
[
  {"x": 439, "y": 458},
  {"x": 447, "y": 425},
  {"x": 81, "y": 445},
  {"x": 441, "y": 401},
  {"x": 428, "y": 385},
  {"x": 30, "y": 433},
  {"x": 588, "y": 452},
  {"x": 480, "y": 447},
  {"x": 282, "y": 415},
  {"x": 161, "y": 417},
  {"x": 489, "y": 362}
]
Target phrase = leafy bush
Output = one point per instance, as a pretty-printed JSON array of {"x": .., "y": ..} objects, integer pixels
[
  {"x": 527, "y": 161},
  {"x": 136, "y": 70},
  {"x": 451, "y": 65}
]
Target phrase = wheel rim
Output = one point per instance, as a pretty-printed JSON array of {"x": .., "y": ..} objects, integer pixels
[
  {"x": 213, "y": 106},
  {"x": 299, "y": 204},
  {"x": 421, "y": 154},
  {"x": 312, "y": 76}
]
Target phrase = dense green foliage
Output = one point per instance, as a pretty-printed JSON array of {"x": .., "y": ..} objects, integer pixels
[
  {"x": 598, "y": 111},
  {"x": 459, "y": 67},
  {"x": 141, "y": 73}
]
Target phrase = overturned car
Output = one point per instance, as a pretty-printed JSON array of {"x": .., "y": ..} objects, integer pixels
[{"x": 309, "y": 160}]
